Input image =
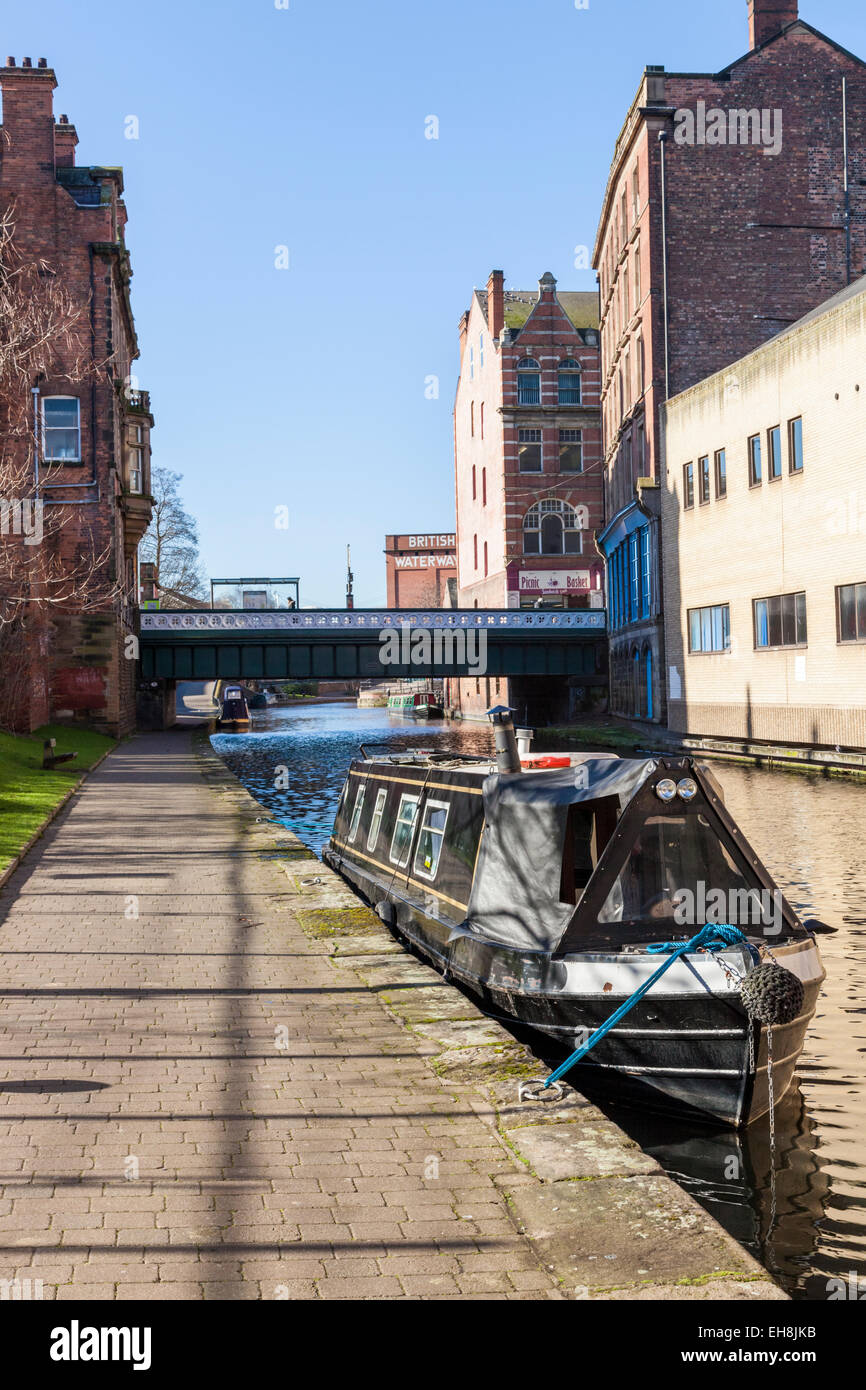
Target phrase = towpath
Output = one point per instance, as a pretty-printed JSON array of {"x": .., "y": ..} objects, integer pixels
[{"x": 194, "y": 1103}]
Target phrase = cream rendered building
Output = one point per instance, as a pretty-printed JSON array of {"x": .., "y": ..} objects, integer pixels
[{"x": 764, "y": 538}]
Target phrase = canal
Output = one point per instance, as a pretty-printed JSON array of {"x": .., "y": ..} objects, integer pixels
[{"x": 806, "y": 1220}]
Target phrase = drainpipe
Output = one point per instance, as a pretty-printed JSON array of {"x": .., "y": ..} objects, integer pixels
[
  {"x": 663, "y": 136},
  {"x": 846, "y": 184},
  {"x": 34, "y": 391}
]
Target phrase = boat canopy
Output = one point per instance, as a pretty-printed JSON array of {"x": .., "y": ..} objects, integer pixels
[{"x": 515, "y": 892}]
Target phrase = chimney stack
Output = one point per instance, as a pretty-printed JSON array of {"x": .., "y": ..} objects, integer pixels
[
  {"x": 496, "y": 303},
  {"x": 28, "y": 123},
  {"x": 65, "y": 140},
  {"x": 767, "y": 18}
]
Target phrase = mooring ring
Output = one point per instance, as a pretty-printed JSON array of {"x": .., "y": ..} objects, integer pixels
[{"x": 539, "y": 1090}]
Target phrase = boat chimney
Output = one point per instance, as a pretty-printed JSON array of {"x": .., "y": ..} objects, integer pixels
[
  {"x": 507, "y": 756},
  {"x": 524, "y": 740}
]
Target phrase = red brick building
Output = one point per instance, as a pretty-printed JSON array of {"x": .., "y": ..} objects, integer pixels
[
  {"x": 418, "y": 568},
  {"x": 90, "y": 445},
  {"x": 527, "y": 439},
  {"x": 725, "y": 219}
]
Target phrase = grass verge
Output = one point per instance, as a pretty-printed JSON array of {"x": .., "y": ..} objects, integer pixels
[{"x": 28, "y": 794}]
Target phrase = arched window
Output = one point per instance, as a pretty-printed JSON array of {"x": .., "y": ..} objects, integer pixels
[
  {"x": 528, "y": 382},
  {"x": 569, "y": 382},
  {"x": 552, "y": 527}
]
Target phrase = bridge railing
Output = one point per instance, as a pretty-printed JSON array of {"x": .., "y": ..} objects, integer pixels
[{"x": 341, "y": 620}]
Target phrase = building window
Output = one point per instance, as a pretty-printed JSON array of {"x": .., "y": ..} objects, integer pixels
[
  {"x": 795, "y": 445},
  {"x": 688, "y": 485},
  {"x": 474, "y": 494},
  {"x": 645, "y": 570},
  {"x": 528, "y": 382},
  {"x": 552, "y": 527},
  {"x": 704, "y": 479},
  {"x": 571, "y": 451},
  {"x": 636, "y": 259},
  {"x": 471, "y": 364},
  {"x": 61, "y": 429},
  {"x": 569, "y": 382},
  {"x": 710, "y": 628},
  {"x": 481, "y": 350},
  {"x": 475, "y": 550},
  {"x": 529, "y": 451},
  {"x": 851, "y": 612},
  {"x": 135, "y": 458},
  {"x": 640, "y": 366},
  {"x": 754, "y": 460},
  {"x": 482, "y": 419},
  {"x": 484, "y": 487},
  {"x": 626, "y": 367},
  {"x": 721, "y": 474},
  {"x": 635, "y": 195},
  {"x": 485, "y": 559},
  {"x": 774, "y": 453},
  {"x": 401, "y": 840},
  {"x": 780, "y": 621}
]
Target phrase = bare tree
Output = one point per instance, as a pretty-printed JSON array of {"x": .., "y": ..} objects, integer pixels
[
  {"x": 43, "y": 333},
  {"x": 171, "y": 543}
]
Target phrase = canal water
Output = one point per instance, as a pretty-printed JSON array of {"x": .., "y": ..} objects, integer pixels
[{"x": 806, "y": 1221}]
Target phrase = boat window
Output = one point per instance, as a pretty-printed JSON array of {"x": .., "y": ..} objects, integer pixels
[
  {"x": 431, "y": 839},
  {"x": 378, "y": 811},
  {"x": 679, "y": 872},
  {"x": 356, "y": 812},
  {"x": 588, "y": 828},
  {"x": 401, "y": 840}
]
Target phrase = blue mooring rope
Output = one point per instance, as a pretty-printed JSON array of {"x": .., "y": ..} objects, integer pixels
[{"x": 711, "y": 937}]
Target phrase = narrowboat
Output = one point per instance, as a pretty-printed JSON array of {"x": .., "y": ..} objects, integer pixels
[
  {"x": 422, "y": 705},
  {"x": 543, "y": 885},
  {"x": 234, "y": 712}
]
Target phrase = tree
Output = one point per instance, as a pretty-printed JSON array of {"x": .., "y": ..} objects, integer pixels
[
  {"x": 171, "y": 543},
  {"x": 43, "y": 333}
]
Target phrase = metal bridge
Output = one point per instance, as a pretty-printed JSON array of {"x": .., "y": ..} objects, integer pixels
[{"x": 324, "y": 644}]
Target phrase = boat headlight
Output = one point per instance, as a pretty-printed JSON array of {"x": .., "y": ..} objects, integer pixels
[
  {"x": 687, "y": 789},
  {"x": 666, "y": 789}
]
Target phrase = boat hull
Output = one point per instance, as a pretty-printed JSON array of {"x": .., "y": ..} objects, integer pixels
[{"x": 686, "y": 1048}]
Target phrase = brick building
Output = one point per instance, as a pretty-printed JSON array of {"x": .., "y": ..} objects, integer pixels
[
  {"x": 527, "y": 443},
  {"x": 725, "y": 219},
  {"x": 418, "y": 568},
  {"x": 765, "y": 462},
  {"x": 91, "y": 446}
]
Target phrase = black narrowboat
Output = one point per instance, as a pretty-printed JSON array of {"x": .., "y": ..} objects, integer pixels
[{"x": 544, "y": 890}]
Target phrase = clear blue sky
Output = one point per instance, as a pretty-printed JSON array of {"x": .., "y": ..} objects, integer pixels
[{"x": 261, "y": 127}]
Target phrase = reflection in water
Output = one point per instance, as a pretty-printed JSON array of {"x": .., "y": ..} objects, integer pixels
[{"x": 808, "y": 1226}]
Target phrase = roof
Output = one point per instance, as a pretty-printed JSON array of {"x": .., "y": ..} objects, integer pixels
[{"x": 581, "y": 306}]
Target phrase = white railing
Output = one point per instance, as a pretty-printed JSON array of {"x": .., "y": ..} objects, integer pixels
[{"x": 506, "y": 620}]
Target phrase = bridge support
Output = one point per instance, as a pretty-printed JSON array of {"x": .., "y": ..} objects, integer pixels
[{"x": 156, "y": 705}]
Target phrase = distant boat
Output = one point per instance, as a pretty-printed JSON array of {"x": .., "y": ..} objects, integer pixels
[
  {"x": 423, "y": 705},
  {"x": 234, "y": 712}
]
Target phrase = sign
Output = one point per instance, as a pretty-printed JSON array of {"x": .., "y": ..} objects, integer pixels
[
  {"x": 425, "y": 562},
  {"x": 555, "y": 581},
  {"x": 432, "y": 542}
]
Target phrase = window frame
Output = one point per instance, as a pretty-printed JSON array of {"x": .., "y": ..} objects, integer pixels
[
  {"x": 568, "y": 444},
  {"x": 703, "y": 476},
  {"x": 44, "y": 428},
  {"x": 767, "y": 599},
  {"x": 530, "y": 444},
  {"x": 528, "y": 367},
  {"x": 431, "y": 804},
  {"x": 721, "y": 473},
  {"x": 357, "y": 812},
  {"x": 795, "y": 472},
  {"x": 709, "y": 608},
  {"x": 756, "y": 469},
  {"x": 688, "y": 486},
  {"x": 397, "y": 859},
  {"x": 860, "y": 638},
  {"x": 569, "y": 367},
  {"x": 376, "y": 820},
  {"x": 774, "y": 433}
]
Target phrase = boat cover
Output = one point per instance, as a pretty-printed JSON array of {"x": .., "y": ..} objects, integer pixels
[{"x": 515, "y": 892}]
